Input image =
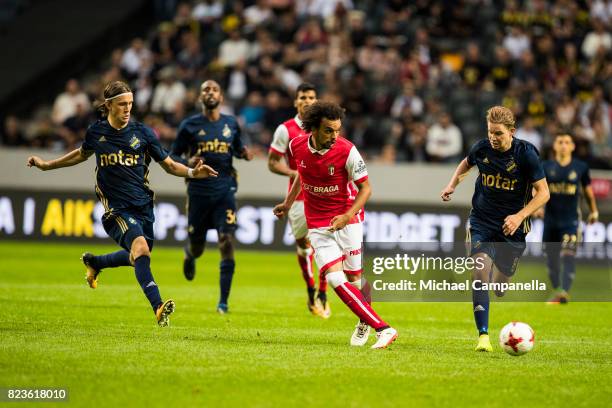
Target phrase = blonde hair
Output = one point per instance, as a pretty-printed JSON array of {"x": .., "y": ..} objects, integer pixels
[
  {"x": 112, "y": 89},
  {"x": 501, "y": 115}
]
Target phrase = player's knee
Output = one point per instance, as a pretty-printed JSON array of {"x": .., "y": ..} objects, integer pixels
[
  {"x": 482, "y": 267},
  {"x": 353, "y": 277},
  {"x": 302, "y": 243},
  {"x": 304, "y": 252},
  {"x": 226, "y": 246},
  {"x": 196, "y": 249},
  {"x": 139, "y": 248},
  {"x": 568, "y": 252}
]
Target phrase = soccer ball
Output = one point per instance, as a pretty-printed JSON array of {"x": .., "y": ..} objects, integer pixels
[{"x": 516, "y": 338}]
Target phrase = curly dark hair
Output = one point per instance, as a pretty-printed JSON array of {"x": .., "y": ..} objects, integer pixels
[{"x": 316, "y": 112}]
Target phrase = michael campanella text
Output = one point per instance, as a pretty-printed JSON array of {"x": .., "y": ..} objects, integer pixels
[{"x": 444, "y": 285}]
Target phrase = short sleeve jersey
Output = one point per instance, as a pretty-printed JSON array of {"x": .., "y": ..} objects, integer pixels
[
  {"x": 564, "y": 184},
  {"x": 216, "y": 142},
  {"x": 122, "y": 162},
  {"x": 284, "y": 134},
  {"x": 328, "y": 179},
  {"x": 504, "y": 184}
]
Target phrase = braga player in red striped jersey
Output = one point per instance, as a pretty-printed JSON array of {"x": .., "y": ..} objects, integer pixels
[
  {"x": 305, "y": 95},
  {"x": 334, "y": 179}
]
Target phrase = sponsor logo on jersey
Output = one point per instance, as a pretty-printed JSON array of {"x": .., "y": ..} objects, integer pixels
[
  {"x": 572, "y": 175},
  {"x": 102, "y": 139},
  {"x": 201, "y": 132},
  {"x": 562, "y": 188},
  {"x": 361, "y": 167},
  {"x": 486, "y": 160},
  {"x": 213, "y": 146},
  {"x": 302, "y": 164},
  {"x": 226, "y": 131},
  {"x": 321, "y": 190},
  {"x": 134, "y": 142},
  {"x": 331, "y": 169},
  {"x": 354, "y": 251},
  {"x": 120, "y": 158},
  {"x": 497, "y": 181}
]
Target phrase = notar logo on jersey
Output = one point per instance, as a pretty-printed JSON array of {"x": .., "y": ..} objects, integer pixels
[
  {"x": 572, "y": 175},
  {"x": 134, "y": 142},
  {"x": 102, "y": 139},
  {"x": 226, "y": 131},
  {"x": 331, "y": 169},
  {"x": 201, "y": 132}
]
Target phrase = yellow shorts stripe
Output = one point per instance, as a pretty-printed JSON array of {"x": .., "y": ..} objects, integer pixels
[{"x": 122, "y": 224}]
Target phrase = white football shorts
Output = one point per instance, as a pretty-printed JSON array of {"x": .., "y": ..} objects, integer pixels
[
  {"x": 297, "y": 220},
  {"x": 344, "y": 245}
]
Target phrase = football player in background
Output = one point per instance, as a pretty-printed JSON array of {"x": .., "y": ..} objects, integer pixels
[{"x": 213, "y": 138}]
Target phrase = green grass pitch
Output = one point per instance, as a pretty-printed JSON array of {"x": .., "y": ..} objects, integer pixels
[{"x": 104, "y": 345}]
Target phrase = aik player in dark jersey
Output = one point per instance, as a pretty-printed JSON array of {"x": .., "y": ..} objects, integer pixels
[
  {"x": 123, "y": 151},
  {"x": 509, "y": 169},
  {"x": 214, "y": 138},
  {"x": 565, "y": 177}
]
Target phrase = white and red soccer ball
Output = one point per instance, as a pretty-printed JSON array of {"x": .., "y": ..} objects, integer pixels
[{"x": 516, "y": 338}]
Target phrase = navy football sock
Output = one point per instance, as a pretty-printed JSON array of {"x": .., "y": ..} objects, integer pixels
[
  {"x": 554, "y": 268},
  {"x": 225, "y": 279},
  {"x": 569, "y": 272},
  {"x": 142, "y": 266},
  {"x": 112, "y": 260},
  {"x": 480, "y": 301}
]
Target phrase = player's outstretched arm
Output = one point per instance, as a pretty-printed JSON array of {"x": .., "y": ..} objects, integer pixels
[
  {"x": 541, "y": 196},
  {"x": 282, "y": 209},
  {"x": 340, "y": 221},
  {"x": 277, "y": 165},
  {"x": 70, "y": 159},
  {"x": 460, "y": 173},
  {"x": 590, "y": 198},
  {"x": 199, "y": 171}
]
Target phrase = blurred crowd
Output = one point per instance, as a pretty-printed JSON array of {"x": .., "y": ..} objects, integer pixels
[{"x": 415, "y": 77}]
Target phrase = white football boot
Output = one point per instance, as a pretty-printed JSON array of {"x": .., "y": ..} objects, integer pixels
[
  {"x": 384, "y": 338},
  {"x": 360, "y": 335}
]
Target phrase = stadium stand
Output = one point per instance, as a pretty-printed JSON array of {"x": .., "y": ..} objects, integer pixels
[{"x": 415, "y": 77}]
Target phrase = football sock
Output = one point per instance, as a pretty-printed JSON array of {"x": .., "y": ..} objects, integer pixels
[
  {"x": 322, "y": 282},
  {"x": 112, "y": 260},
  {"x": 365, "y": 289},
  {"x": 311, "y": 295},
  {"x": 322, "y": 296},
  {"x": 305, "y": 256},
  {"x": 225, "y": 278},
  {"x": 188, "y": 252},
  {"x": 569, "y": 271},
  {"x": 553, "y": 264},
  {"x": 142, "y": 266},
  {"x": 352, "y": 297},
  {"x": 480, "y": 301}
]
